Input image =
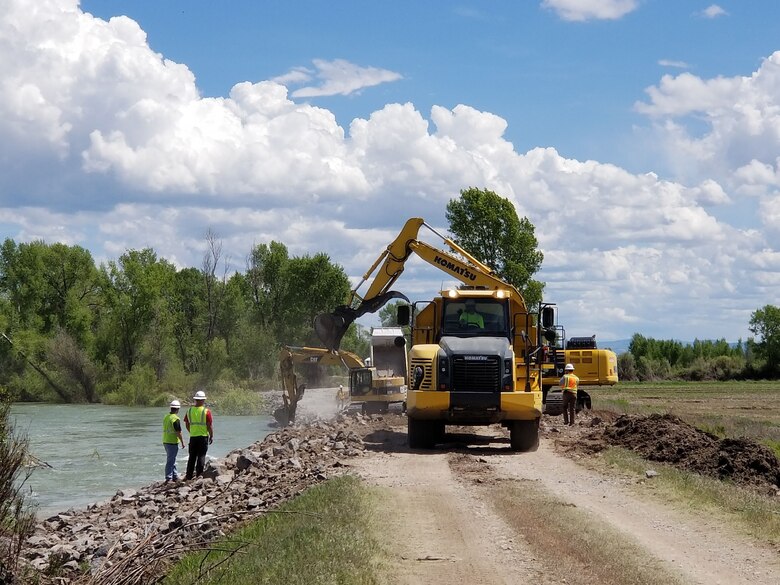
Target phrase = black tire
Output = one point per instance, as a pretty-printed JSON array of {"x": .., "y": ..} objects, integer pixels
[
  {"x": 524, "y": 435},
  {"x": 421, "y": 433}
]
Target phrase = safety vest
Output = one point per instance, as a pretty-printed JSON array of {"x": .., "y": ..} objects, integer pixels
[
  {"x": 570, "y": 383},
  {"x": 197, "y": 417},
  {"x": 169, "y": 432},
  {"x": 467, "y": 318}
]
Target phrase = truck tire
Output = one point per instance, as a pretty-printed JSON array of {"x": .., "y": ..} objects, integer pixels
[
  {"x": 524, "y": 435},
  {"x": 421, "y": 433}
]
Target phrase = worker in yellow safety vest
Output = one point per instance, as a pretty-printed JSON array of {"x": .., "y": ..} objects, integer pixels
[
  {"x": 470, "y": 318},
  {"x": 171, "y": 439},
  {"x": 200, "y": 426},
  {"x": 569, "y": 384},
  {"x": 342, "y": 396}
]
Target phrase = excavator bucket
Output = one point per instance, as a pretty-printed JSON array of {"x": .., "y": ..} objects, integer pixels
[{"x": 331, "y": 327}]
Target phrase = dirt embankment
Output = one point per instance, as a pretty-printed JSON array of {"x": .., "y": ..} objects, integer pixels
[
  {"x": 668, "y": 439},
  {"x": 135, "y": 535}
]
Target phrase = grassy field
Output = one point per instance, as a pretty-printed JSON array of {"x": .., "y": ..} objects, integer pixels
[
  {"x": 323, "y": 536},
  {"x": 727, "y": 409}
]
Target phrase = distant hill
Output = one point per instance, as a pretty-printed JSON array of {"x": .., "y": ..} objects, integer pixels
[
  {"x": 621, "y": 345},
  {"x": 618, "y": 346}
]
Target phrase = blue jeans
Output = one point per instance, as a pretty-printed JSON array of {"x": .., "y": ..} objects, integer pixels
[{"x": 171, "y": 450}]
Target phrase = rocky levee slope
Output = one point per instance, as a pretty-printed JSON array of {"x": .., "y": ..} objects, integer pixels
[{"x": 134, "y": 536}]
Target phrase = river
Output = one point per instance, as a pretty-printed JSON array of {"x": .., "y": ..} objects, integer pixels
[{"x": 95, "y": 450}]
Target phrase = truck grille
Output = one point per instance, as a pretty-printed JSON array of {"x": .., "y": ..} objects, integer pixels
[{"x": 483, "y": 375}]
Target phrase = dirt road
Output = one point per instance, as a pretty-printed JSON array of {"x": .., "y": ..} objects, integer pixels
[{"x": 441, "y": 526}]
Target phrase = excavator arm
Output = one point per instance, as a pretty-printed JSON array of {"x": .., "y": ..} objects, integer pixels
[{"x": 330, "y": 327}]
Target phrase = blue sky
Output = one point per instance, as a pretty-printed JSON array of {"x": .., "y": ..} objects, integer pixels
[{"x": 640, "y": 137}]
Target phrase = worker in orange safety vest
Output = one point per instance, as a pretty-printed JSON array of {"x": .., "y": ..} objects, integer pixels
[{"x": 569, "y": 384}]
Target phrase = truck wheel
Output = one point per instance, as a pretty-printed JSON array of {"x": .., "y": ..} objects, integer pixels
[
  {"x": 421, "y": 434},
  {"x": 524, "y": 435}
]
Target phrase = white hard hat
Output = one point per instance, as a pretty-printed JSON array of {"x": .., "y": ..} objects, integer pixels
[
  {"x": 569, "y": 367},
  {"x": 175, "y": 404},
  {"x": 200, "y": 395}
]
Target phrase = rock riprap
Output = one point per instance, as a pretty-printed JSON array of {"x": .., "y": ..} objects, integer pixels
[{"x": 137, "y": 533}]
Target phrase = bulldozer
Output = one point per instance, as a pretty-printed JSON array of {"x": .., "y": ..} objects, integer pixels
[{"x": 475, "y": 355}]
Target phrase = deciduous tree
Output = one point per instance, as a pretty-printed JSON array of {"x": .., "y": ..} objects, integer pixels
[
  {"x": 765, "y": 323},
  {"x": 487, "y": 226}
]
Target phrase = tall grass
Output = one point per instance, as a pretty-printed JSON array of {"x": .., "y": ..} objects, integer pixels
[
  {"x": 17, "y": 515},
  {"x": 324, "y": 536}
]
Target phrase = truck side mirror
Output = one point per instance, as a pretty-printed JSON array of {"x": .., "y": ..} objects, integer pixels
[
  {"x": 403, "y": 315},
  {"x": 548, "y": 317}
]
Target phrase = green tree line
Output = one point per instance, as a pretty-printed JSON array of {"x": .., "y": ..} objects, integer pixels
[
  {"x": 137, "y": 330},
  {"x": 758, "y": 358}
]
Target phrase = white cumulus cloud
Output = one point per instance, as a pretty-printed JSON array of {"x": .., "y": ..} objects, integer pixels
[
  {"x": 337, "y": 77},
  {"x": 135, "y": 156},
  {"x": 713, "y": 11},
  {"x": 581, "y": 10}
]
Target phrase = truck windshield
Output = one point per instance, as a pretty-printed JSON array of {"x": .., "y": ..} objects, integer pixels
[{"x": 474, "y": 316}]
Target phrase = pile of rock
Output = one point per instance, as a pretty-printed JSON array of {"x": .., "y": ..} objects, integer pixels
[{"x": 137, "y": 533}]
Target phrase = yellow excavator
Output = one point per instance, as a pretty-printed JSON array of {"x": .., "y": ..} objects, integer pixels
[
  {"x": 373, "y": 388},
  {"x": 593, "y": 366},
  {"x": 475, "y": 355}
]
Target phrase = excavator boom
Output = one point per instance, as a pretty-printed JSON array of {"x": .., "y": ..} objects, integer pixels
[{"x": 331, "y": 327}]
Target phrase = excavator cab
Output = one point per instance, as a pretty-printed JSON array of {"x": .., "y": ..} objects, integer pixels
[{"x": 360, "y": 382}]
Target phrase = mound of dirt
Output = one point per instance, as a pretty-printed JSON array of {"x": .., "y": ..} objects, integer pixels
[{"x": 668, "y": 439}]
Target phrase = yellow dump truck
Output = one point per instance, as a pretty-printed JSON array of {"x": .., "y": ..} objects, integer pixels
[{"x": 475, "y": 350}]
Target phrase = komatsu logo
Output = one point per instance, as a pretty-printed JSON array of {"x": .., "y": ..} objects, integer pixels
[
  {"x": 475, "y": 358},
  {"x": 452, "y": 267}
]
